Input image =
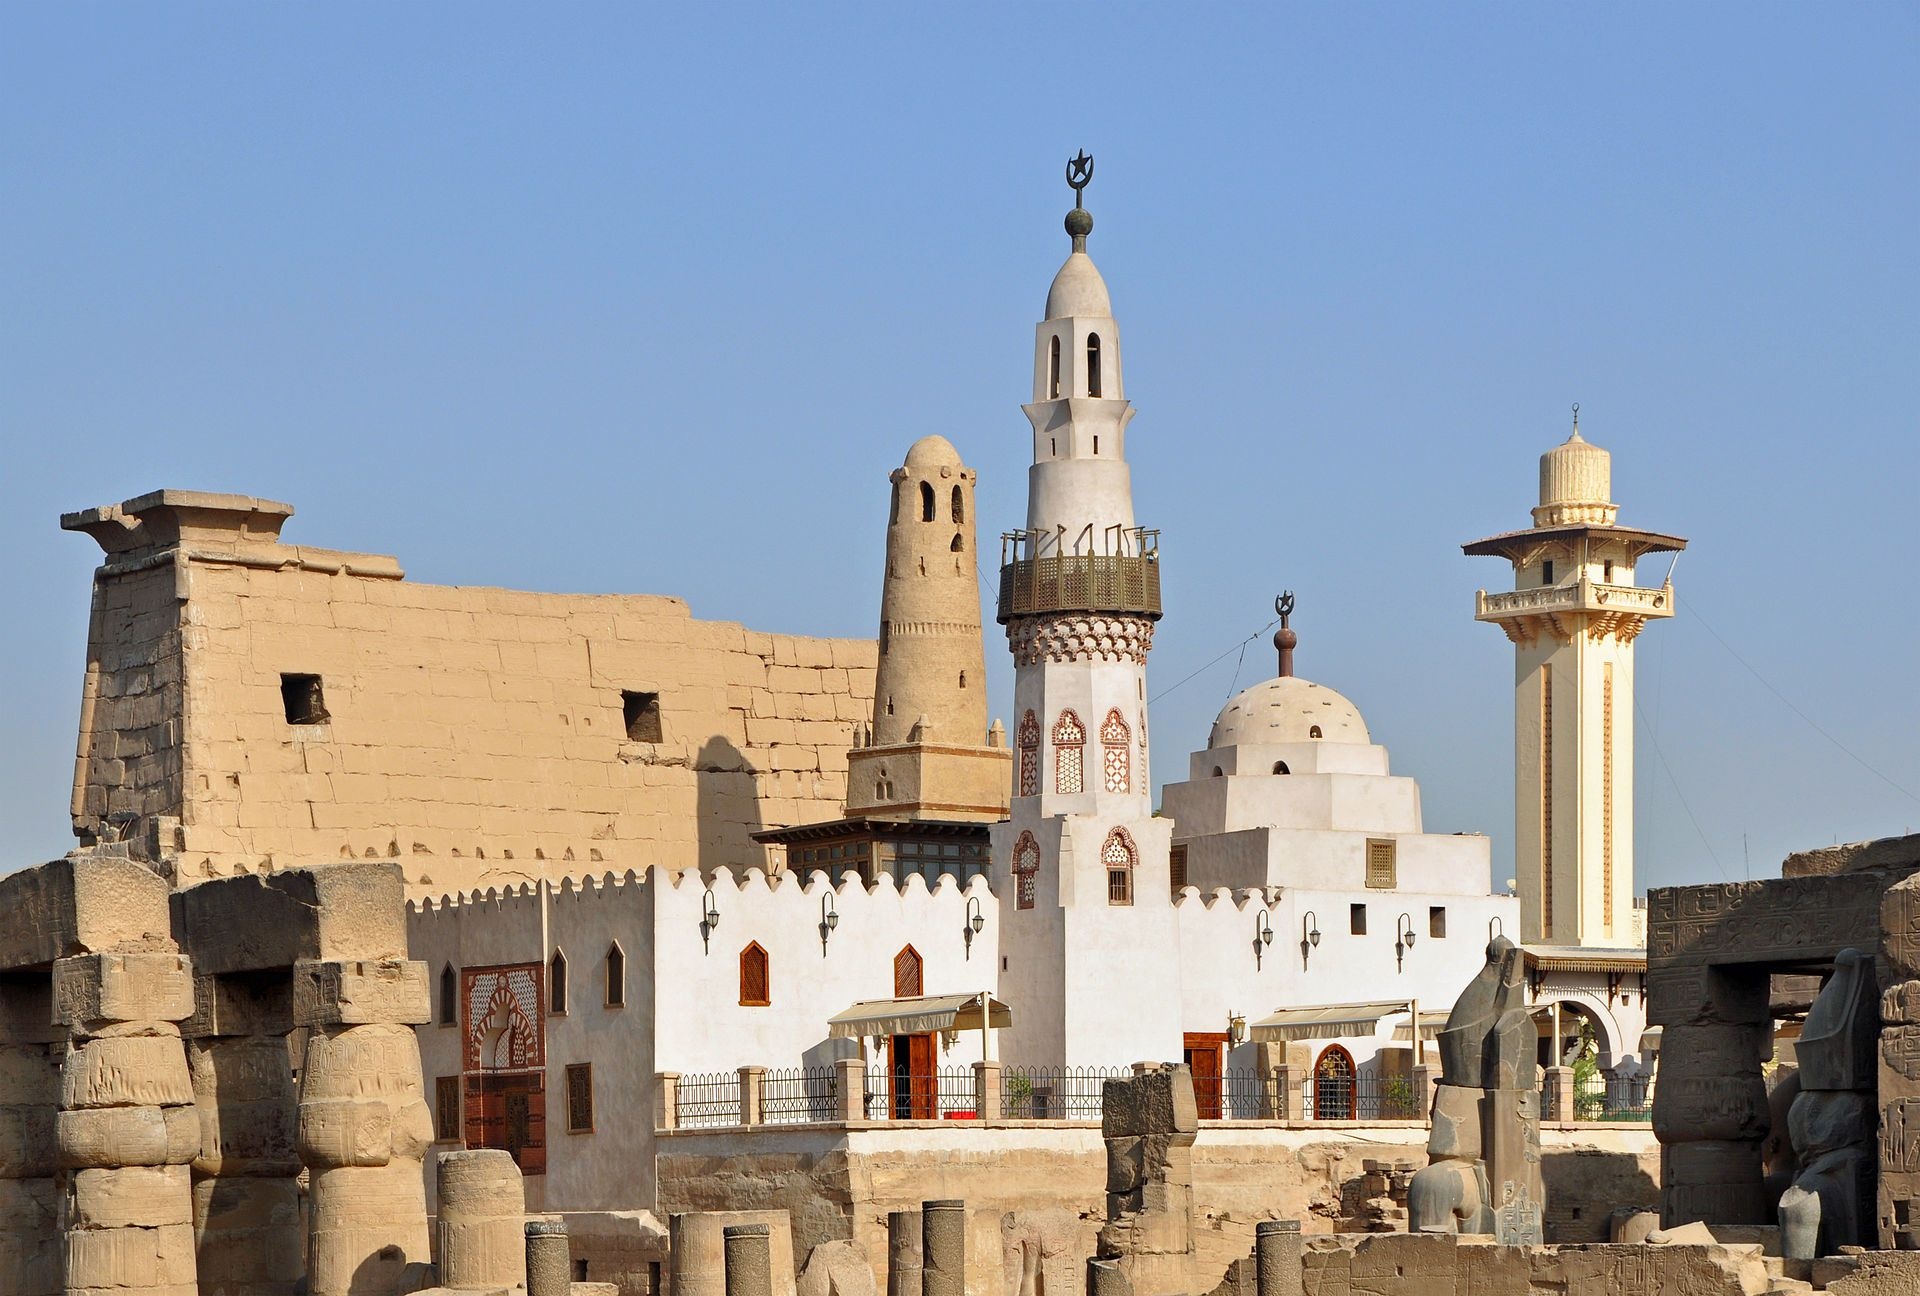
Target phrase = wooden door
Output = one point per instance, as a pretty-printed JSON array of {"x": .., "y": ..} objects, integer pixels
[
  {"x": 911, "y": 1059},
  {"x": 1204, "y": 1056}
]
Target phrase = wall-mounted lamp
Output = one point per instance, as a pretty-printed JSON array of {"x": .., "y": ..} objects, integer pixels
[
  {"x": 709, "y": 919},
  {"x": 829, "y": 919},
  {"x": 1262, "y": 936},
  {"x": 1402, "y": 941},
  {"x": 1236, "y": 1028},
  {"x": 1309, "y": 934},
  {"x": 975, "y": 921}
]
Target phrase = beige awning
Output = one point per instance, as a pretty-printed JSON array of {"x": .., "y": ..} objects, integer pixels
[
  {"x": 1431, "y": 1024},
  {"x": 1329, "y": 1021},
  {"x": 914, "y": 1016},
  {"x": 1650, "y": 1040}
]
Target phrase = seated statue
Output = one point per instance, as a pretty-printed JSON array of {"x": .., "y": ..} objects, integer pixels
[{"x": 1831, "y": 1123}]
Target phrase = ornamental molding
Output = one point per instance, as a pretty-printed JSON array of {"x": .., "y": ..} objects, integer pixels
[{"x": 1080, "y": 638}]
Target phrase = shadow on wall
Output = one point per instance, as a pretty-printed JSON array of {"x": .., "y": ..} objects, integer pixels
[
  {"x": 726, "y": 809},
  {"x": 1585, "y": 1186}
]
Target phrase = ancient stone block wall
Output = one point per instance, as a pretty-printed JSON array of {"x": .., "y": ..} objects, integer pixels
[{"x": 478, "y": 736}]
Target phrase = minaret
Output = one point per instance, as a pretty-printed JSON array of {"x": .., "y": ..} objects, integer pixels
[
  {"x": 929, "y": 754},
  {"x": 1573, "y": 615},
  {"x": 1092, "y": 965}
]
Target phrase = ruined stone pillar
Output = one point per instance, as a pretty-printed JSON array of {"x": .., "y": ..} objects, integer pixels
[
  {"x": 1424, "y": 1081},
  {"x": 30, "y": 1051},
  {"x": 668, "y": 1115},
  {"x": 1106, "y": 1278},
  {"x": 126, "y": 1129},
  {"x": 850, "y": 1076},
  {"x": 943, "y": 1248},
  {"x": 364, "y": 1123},
  {"x": 749, "y": 1259},
  {"x": 246, "y": 1192},
  {"x": 1276, "y": 1255},
  {"x": 549, "y": 1260},
  {"x": 903, "y": 1253},
  {"x": 481, "y": 1225},
  {"x": 1897, "y": 1203},
  {"x": 1710, "y": 1115},
  {"x": 698, "y": 1256}
]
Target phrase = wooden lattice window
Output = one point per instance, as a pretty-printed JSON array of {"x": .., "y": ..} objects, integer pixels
[
  {"x": 756, "y": 977},
  {"x": 1026, "y": 865},
  {"x": 1177, "y": 866},
  {"x": 1119, "y": 857},
  {"x": 1029, "y": 755},
  {"x": 1381, "y": 870},
  {"x": 909, "y": 974},
  {"x": 1069, "y": 739},
  {"x": 1116, "y": 753},
  {"x": 446, "y": 1108},
  {"x": 580, "y": 1098}
]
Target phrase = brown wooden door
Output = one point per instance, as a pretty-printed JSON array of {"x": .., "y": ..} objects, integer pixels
[
  {"x": 911, "y": 1058},
  {"x": 1203, "y": 1053}
]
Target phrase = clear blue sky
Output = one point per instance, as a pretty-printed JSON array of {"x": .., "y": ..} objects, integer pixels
[{"x": 610, "y": 299}]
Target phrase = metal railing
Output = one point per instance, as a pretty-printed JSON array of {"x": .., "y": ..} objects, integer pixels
[
  {"x": 939, "y": 1095},
  {"x": 799, "y": 1095},
  {"x": 1240, "y": 1093},
  {"x": 1055, "y": 1093},
  {"x": 1081, "y": 583},
  {"x": 703, "y": 1101},
  {"x": 1365, "y": 1096},
  {"x": 1599, "y": 1096}
]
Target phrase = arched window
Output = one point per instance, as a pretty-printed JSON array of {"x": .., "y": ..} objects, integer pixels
[
  {"x": 963, "y": 679},
  {"x": 1333, "y": 1085},
  {"x": 909, "y": 974},
  {"x": 1069, "y": 770},
  {"x": 756, "y": 978},
  {"x": 616, "y": 976},
  {"x": 959, "y": 545},
  {"x": 1053, "y": 368},
  {"x": 1280, "y": 767},
  {"x": 557, "y": 984},
  {"x": 926, "y": 501},
  {"x": 1314, "y": 732},
  {"x": 1029, "y": 738},
  {"x": 1116, "y": 753},
  {"x": 1026, "y": 863},
  {"x": 449, "y": 997},
  {"x": 958, "y": 508},
  {"x": 1119, "y": 857},
  {"x": 1217, "y": 771},
  {"x": 1093, "y": 364}
]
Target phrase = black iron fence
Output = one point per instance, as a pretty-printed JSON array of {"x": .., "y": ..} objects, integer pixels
[
  {"x": 800, "y": 1095},
  {"x": 937, "y": 1095},
  {"x": 1367, "y": 1095},
  {"x": 707, "y": 1100},
  {"x": 1603, "y": 1096},
  {"x": 1055, "y": 1093}
]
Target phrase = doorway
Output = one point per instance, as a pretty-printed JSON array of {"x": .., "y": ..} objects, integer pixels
[
  {"x": 1205, "y": 1056},
  {"x": 910, "y": 1068}
]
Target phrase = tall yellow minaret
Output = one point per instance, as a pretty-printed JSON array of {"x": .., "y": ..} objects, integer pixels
[
  {"x": 929, "y": 754},
  {"x": 1572, "y": 616}
]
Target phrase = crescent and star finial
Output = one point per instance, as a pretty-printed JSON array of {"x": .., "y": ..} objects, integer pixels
[{"x": 1079, "y": 174}]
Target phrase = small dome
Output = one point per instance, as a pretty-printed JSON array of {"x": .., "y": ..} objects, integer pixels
[
  {"x": 1288, "y": 710},
  {"x": 933, "y": 452},
  {"x": 1576, "y": 484},
  {"x": 1078, "y": 290}
]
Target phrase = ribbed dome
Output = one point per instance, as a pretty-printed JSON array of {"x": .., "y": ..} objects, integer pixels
[
  {"x": 933, "y": 452},
  {"x": 1576, "y": 484},
  {"x": 1078, "y": 290},
  {"x": 1288, "y": 710}
]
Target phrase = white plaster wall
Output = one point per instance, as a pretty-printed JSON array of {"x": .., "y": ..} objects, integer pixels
[
  {"x": 1301, "y": 758},
  {"x": 1123, "y": 971},
  {"x": 1349, "y": 802}
]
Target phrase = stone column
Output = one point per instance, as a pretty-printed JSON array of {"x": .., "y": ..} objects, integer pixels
[
  {"x": 1107, "y": 1278},
  {"x": 1276, "y": 1254},
  {"x": 749, "y": 1259},
  {"x": 903, "y": 1253},
  {"x": 1557, "y": 1089},
  {"x": 364, "y": 1124},
  {"x": 986, "y": 1090},
  {"x": 850, "y": 1074},
  {"x": 668, "y": 1115},
  {"x": 1710, "y": 1115},
  {"x": 1897, "y": 1205},
  {"x": 753, "y": 1095},
  {"x": 246, "y": 1191},
  {"x": 943, "y": 1248},
  {"x": 126, "y": 1129},
  {"x": 698, "y": 1256},
  {"x": 30, "y": 1051},
  {"x": 482, "y": 1220},
  {"x": 549, "y": 1260}
]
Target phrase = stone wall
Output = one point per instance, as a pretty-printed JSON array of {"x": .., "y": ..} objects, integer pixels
[{"x": 477, "y": 736}]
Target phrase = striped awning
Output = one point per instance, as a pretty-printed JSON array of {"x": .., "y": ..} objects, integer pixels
[
  {"x": 872, "y": 1017},
  {"x": 1329, "y": 1021}
]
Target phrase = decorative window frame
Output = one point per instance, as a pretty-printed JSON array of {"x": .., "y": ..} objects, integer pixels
[
  {"x": 1026, "y": 867},
  {"x": 1116, "y": 753},
  {"x": 754, "y": 954},
  {"x": 1121, "y": 859},
  {"x": 1029, "y": 743},
  {"x": 1069, "y": 754}
]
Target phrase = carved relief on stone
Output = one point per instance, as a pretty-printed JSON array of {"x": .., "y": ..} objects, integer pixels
[{"x": 1080, "y": 638}]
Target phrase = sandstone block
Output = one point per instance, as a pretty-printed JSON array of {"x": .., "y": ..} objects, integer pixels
[
  {"x": 480, "y": 1183},
  {"x": 26, "y": 1141},
  {"x": 135, "y": 1196},
  {"x": 130, "y": 1257},
  {"x": 340, "y": 1132},
  {"x": 362, "y": 1062},
  {"x": 134, "y": 1071},
  {"x": 332, "y": 993},
  {"x": 232, "y": 1006},
  {"x": 29, "y": 1073},
  {"x": 109, "y": 1137},
  {"x": 256, "y": 1138},
  {"x": 88, "y": 902},
  {"x": 1155, "y": 1102},
  {"x": 90, "y": 988}
]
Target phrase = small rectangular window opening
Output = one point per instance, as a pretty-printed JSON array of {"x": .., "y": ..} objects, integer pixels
[
  {"x": 1607, "y": 570},
  {"x": 642, "y": 712},
  {"x": 1357, "y": 919},
  {"x": 1382, "y": 874},
  {"x": 1546, "y": 572},
  {"x": 1437, "y": 922},
  {"x": 580, "y": 1098},
  {"x": 446, "y": 1108},
  {"x": 304, "y": 703}
]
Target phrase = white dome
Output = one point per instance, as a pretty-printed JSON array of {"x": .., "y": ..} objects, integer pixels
[
  {"x": 1288, "y": 710},
  {"x": 1078, "y": 290},
  {"x": 933, "y": 452}
]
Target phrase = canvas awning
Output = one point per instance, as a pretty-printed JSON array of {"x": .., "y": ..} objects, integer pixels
[
  {"x": 1431, "y": 1024},
  {"x": 914, "y": 1016},
  {"x": 1329, "y": 1021}
]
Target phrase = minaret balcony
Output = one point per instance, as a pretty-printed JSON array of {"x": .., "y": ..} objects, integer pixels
[
  {"x": 1526, "y": 613},
  {"x": 1117, "y": 583}
]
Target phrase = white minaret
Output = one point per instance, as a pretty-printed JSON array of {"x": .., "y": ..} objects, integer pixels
[
  {"x": 1572, "y": 616},
  {"x": 1092, "y": 960}
]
